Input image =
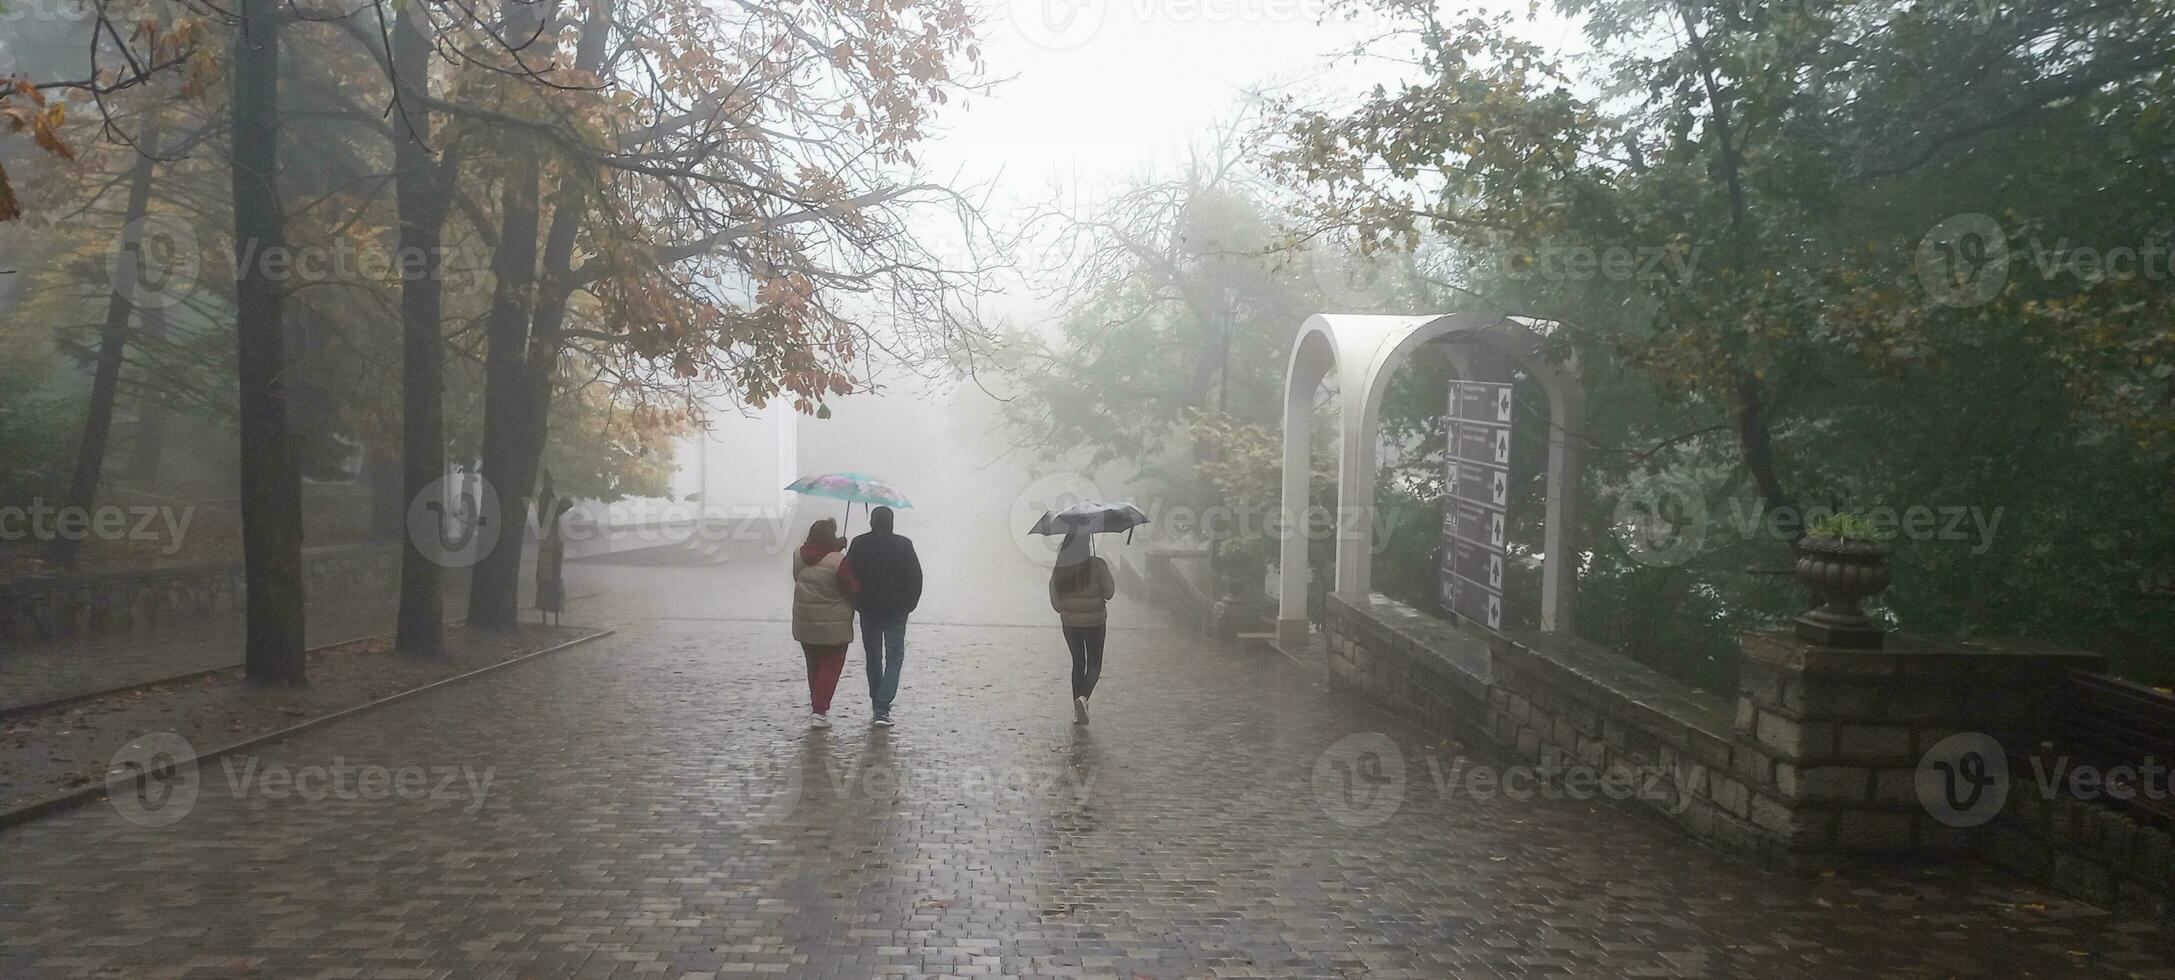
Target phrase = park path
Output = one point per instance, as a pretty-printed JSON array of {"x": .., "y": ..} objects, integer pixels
[{"x": 656, "y": 807}]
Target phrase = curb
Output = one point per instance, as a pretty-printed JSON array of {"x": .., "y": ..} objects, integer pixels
[
  {"x": 71, "y": 799},
  {"x": 33, "y": 707}
]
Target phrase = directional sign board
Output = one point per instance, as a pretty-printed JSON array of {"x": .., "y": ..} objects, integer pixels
[{"x": 1473, "y": 551}]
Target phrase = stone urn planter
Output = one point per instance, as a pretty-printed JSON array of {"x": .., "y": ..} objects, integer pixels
[{"x": 1841, "y": 573}]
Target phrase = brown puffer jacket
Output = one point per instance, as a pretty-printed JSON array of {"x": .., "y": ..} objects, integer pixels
[{"x": 1085, "y": 607}]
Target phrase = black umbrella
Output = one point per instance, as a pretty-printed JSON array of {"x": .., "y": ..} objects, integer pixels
[{"x": 1093, "y": 517}]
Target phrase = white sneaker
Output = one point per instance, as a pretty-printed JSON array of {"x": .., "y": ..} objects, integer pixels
[
  {"x": 1079, "y": 711},
  {"x": 819, "y": 720},
  {"x": 883, "y": 722}
]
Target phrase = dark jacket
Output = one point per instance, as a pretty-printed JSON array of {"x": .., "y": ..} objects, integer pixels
[{"x": 889, "y": 573}]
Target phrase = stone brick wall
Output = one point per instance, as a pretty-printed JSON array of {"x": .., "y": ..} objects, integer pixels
[
  {"x": 1816, "y": 764},
  {"x": 1846, "y": 729},
  {"x": 2085, "y": 849},
  {"x": 1558, "y": 703},
  {"x": 46, "y": 608}
]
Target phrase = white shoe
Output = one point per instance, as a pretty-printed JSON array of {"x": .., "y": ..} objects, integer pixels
[
  {"x": 1079, "y": 711},
  {"x": 819, "y": 720},
  {"x": 883, "y": 723}
]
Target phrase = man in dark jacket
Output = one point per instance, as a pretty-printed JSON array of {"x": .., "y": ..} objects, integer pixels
[{"x": 890, "y": 576}]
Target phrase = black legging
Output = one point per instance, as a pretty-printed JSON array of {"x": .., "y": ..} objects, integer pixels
[{"x": 1086, "y": 644}]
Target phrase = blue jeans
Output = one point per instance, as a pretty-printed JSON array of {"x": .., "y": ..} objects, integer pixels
[{"x": 885, "y": 646}]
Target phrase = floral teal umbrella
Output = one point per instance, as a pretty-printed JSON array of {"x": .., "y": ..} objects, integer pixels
[{"x": 853, "y": 488}]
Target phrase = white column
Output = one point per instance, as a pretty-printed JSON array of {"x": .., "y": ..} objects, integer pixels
[
  {"x": 1559, "y": 567},
  {"x": 788, "y": 423},
  {"x": 1291, "y": 569},
  {"x": 1355, "y": 487}
]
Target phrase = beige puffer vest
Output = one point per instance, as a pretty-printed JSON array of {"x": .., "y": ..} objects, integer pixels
[{"x": 821, "y": 613}]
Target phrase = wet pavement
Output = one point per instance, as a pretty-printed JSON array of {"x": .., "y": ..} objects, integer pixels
[{"x": 654, "y": 804}]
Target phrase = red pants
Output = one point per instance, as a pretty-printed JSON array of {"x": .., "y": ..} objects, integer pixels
[{"x": 825, "y": 662}]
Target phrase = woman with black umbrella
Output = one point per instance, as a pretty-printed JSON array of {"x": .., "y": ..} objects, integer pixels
[{"x": 1080, "y": 590}]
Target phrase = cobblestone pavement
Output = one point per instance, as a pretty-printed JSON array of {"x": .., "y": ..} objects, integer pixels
[{"x": 656, "y": 806}]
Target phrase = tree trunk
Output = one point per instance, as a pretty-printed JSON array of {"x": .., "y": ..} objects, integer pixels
[
  {"x": 422, "y": 189},
  {"x": 145, "y": 458},
  {"x": 61, "y": 552},
  {"x": 523, "y": 333},
  {"x": 271, "y": 499},
  {"x": 494, "y": 588}
]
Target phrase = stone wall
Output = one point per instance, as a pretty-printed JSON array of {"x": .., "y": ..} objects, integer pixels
[
  {"x": 107, "y": 601},
  {"x": 1847, "y": 729},
  {"x": 1813, "y": 762},
  {"x": 1558, "y": 703},
  {"x": 2085, "y": 849}
]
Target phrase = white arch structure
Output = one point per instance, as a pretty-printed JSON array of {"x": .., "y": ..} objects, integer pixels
[{"x": 1364, "y": 351}]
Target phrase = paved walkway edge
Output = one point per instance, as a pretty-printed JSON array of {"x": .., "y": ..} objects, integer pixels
[{"x": 71, "y": 799}]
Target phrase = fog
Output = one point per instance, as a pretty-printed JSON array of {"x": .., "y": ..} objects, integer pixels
[{"x": 943, "y": 444}]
